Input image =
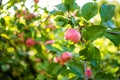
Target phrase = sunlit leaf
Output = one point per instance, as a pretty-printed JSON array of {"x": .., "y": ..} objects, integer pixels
[
  {"x": 93, "y": 32},
  {"x": 76, "y": 67},
  {"x": 107, "y": 11},
  {"x": 114, "y": 37},
  {"x": 89, "y": 10}
]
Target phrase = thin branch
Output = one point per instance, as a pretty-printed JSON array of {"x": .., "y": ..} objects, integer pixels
[{"x": 85, "y": 66}]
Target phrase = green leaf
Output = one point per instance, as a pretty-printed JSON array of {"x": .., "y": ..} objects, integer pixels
[
  {"x": 40, "y": 77},
  {"x": 70, "y": 5},
  {"x": 63, "y": 71},
  {"x": 107, "y": 11},
  {"x": 3, "y": 39},
  {"x": 109, "y": 24},
  {"x": 75, "y": 6},
  {"x": 93, "y": 32},
  {"x": 76, "y": 67},
  {"x": 5, "y": 67},
  {"x": 89, "y": 10},
  {"x": 114, "y": 37},
  {"x": 61, "y": 21},
  {"x": 92, "y": 54},
  {"x": 61, "y": 7},
  {"x": 51, "y": 48},
  {"x": 68, "y": 2},
  {"x": 56, "y": 12},
  {"x": 83, "y": 53},
  {"x": 104, "y": 76},
  {"x": 2, "y": 21},
  {"x": 53, "y": 68}
]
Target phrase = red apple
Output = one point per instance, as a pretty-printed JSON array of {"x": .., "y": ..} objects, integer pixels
[
  {"x": 19, "y": 15},
  {"x": 30, "y": 42},
  {"x": 66, "y": 56},
  {"x": 72, "y": 35},
  {"x": 88, "y": 72},
  {"x": 57, "y": 59},
  {"x": 62, "y": 62},
  {"x": 36, "y": 1}
]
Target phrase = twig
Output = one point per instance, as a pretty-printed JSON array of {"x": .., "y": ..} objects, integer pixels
[{"x": 85, "y": 77}]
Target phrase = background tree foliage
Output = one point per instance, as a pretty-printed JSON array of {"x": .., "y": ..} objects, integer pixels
[{"x": 99, "y": 49}]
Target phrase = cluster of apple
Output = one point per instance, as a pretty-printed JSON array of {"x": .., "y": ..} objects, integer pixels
[
  {"x": 31, "y": 42},
  {"x": 71, "y": 34},
  {"x": 26, "y": 15},
  {"x": 74, "y": 36},
  {"x": 66, "y": 56}
]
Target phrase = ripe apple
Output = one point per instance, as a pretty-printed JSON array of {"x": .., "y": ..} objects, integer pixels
[
  {"x": 30, "y": 42},
  {"x": 88, "y": 72},
  {"x": 62, "y": 62},
  {"x": 57, "y": 59},
  {"x": 66, "y": 56},
  {"x": 36, "y": 1},
  {"x": 63, "y": 58},
  {"x": 72, "y": 35},
  {"x": 19, "y": 15}
]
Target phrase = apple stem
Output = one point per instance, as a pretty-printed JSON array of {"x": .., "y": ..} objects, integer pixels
[{"x": 85, "y": 77}]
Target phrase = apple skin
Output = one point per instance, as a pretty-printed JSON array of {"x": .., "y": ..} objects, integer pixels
[
  {"x": 66, "y": 56},
  {"x": 88, "y": 72},
  {"x": 19, "y": 15},
  {"x": 36, "y": 1},
  {"x": 57, "y": 59},
  {"x": 72, "y": 35},
  {"x": 30, "y": 42}
]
